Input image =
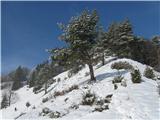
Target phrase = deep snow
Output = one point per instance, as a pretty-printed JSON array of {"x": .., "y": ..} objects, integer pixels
[{"x": 136, "y": 101}]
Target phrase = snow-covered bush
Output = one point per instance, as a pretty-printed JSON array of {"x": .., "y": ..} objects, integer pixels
[
  {"x": 108, "y": 98},
  {"x": 55, "y": 114},
  {"x": 136, "y": 76},
  {"x": 102, "y": 104},
  {"x": 73, "y": 87},
  {"x": 28, "y": 104},
  {"x": 33, "y": 107},
  {"x": 45, "y": 99},
  {"x": 99, "y": 101},
  {"x": 60, "y": 93},
  {"x": 46, "y": 110},
  {"x": 59, "y": 79},
  {"x": 74, "y": 106},
  {"x": 100, "y": 108},
  {"x": 117, "y": 79},
  {"x": 115, "y": 86},
  {"x": 124, "y": 83},
  {"x": 86, "y": 74},
  {"x": 36, "y": 88},
  {"x": 65, "y": 78},
  {"x": 88, "y": 98},
  {"x": 122, "y": 65},
  {"x": 149, "y": 73}
]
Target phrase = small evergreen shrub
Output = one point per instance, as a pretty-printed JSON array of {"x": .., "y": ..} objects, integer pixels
[
  {"x": 36, "y": 88},
  {"x": 60, "y": 93},
  {"x": 28, "y": 104},
  {"x": 45, "y": 100},
  {"x": 87, "y": 74},
  {"x": 46, "y": 110},
  {"x": 74, "y": 107},
  {"x": 59, "y": 79},
  {"x": 149, "y": 73},
  {"x": 115, "y": 86},
  {"x": 136, "y": 76},
  {"x": 124, "y": 83},
  {"x": 122, "y": 65},
  {"x": 117, "y": 79},
  {"x": 89, "y": 98},
  {"x": 102, "y": 104},
  {"x": 74, "y": 87},
  {"x": 108, "y": 98},
  {"x": 55, "y": 114}
]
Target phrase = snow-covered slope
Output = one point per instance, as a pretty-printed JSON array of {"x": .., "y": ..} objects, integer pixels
[{"x": 136, "y": 101}]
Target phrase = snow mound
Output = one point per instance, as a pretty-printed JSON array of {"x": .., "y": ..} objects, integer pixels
[{"x": 135, "y": 101}]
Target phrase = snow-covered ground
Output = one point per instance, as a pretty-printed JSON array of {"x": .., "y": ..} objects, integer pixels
[{"x": 136, "y": 101}]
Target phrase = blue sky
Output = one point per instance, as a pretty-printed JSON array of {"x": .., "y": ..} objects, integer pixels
[{"x": 28, "y": 28}]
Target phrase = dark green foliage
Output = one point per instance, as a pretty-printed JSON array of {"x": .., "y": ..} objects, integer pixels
[
  {"x": 149, "y": 73},
  {"x": 43, "y": 73},
  {"x": 4, "y": 102},
  {"x": 156, "y": 40},
  {"x": 117, "y": 79},
  {"x": 59, "y": 79},
  {"x": 28, "y": 104},
  {"x": 118, "y": 37},
  {"x": 75, "y": 69},
  {"x": 122, "y": 65},
  {"x": 136, "y": 76},
  {"x": 88, "y": 98},
  {"x": 115, "y": 86},
  {"x": 36, "y": 88},
  {"x": 101, "y": 48},
  {"x": 18, "y": 78},
  {"x": 32, "y": 79},
  {"x": 146, "y": 52},
  {"x": 45, "y": 100}
]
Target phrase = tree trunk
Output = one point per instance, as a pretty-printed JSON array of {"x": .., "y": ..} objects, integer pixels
[
  {"x": 9, "y": 99},
  {"x": 103, "y": 61},
  {"x": 91, "y": 72},
  {"x": 46, "y": 87}
]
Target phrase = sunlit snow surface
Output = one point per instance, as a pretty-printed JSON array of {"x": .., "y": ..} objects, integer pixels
[{"x": 135, "y": 102}]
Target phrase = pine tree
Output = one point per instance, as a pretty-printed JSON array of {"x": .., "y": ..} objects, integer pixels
[
  {"x": 156, "y": 42},
  {"x": 4, "y": 102},
  {"x": 32, "y": 79},
  {"x": 99, "y": 48},
  {"x": 119, "y": 37},
  {"x": 18, "y": 78},
  {"x": 45, "y": 75},
  {"x": 80, "y": 35}
]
